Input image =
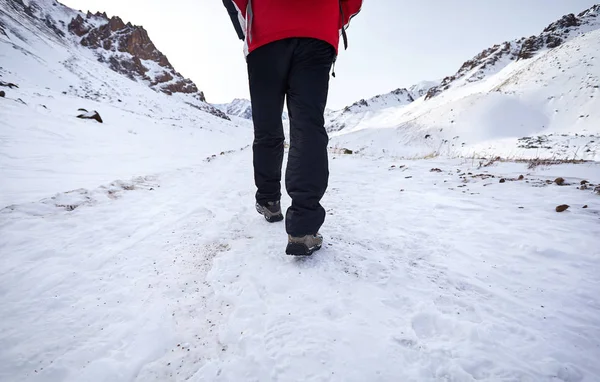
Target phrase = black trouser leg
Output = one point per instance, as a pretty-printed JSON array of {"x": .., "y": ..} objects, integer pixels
[
  {"x": 307, "y": 171},
  {"x": 268, "y": 69}
]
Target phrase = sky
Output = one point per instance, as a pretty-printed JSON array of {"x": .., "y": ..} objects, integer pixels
[{"x": 392, "y": 43}]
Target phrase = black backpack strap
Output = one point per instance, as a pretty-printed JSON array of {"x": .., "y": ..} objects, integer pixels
[
  {"x": 233, "y": 14},
  {"x": 344, "y": 35}
]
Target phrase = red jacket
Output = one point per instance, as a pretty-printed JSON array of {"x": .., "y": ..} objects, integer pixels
[{"x": 260, "y": 22}]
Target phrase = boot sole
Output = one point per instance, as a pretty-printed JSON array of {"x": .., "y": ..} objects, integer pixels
[{"x": 300, "y": 250}]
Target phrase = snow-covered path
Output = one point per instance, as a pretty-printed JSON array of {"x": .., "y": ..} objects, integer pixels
[{"x": 423, "y": 278}]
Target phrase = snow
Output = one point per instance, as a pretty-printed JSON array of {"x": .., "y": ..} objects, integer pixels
[
  {"x": 131, "y": 250},
  {"x": 553, "y": 94},
  {"x": 420, "y": 89},
  {"x": 46, "y": 150},
  {"x": 175, "y": 277}
]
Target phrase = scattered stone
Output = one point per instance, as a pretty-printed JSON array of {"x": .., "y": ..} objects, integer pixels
[
  {"x": 502, "y": 180},
  {"x": 82, "y": 110},
  {"x": 583, "y": 182},
  {"x": 562, "y": 208},
  {"x": 347, "y": 151},
  {"x": 407, "y": 177},
  {"x": 586, "y": 206},
  {"x": 8, "y": 85},
  {"x": 597, "y": 190},
  {"x": 428, "y": 136},
  {"x": 91, "y": 115},
  {"x": 521, "y": 177},
  {"x": 435, "y": 170},
  {"x": 559, "y": 181},
  {"x": 2, "y": 93}
]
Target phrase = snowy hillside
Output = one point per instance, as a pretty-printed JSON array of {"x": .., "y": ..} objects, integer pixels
[
  {"x": 144, "y": 131},
  {"x": 494, "y": 59},
  {"x": 549, "y": 95},
  {"x": 419, "y": 90},
  {"x": 124, "y": 48},
  {"x": 353, "y": 114}
]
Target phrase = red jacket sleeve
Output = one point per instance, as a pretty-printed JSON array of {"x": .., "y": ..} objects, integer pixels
[{"x": 350, "y": 8}]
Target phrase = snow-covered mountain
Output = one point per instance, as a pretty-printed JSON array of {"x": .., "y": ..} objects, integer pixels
[
  {"x": 47, "y": 75},
  {"x": 241, "y": 108},
  {"x": 124, "y": 48},
  {"x": 494, "y": 59},
  {"x": 420, "y": 89},
  {"x": 544, "y": 88},
  {"x": 353, "y": 114}
]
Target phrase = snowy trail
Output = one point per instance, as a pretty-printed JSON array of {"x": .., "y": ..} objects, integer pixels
[{"x": 420, "y": 280}]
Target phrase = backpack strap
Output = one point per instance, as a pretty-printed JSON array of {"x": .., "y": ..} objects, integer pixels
[{"x": 344, "y": 35}]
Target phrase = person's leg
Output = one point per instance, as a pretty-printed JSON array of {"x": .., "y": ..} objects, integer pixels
[
  {"x": 268, "y": 68},
  {"x": 307, "y": 171}
]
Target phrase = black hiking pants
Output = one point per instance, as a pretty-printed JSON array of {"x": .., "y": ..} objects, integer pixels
[{"x": 296, "y": 68}]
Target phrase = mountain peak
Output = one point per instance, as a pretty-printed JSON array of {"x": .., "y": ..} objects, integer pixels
[
  {"x": 493, "y": 59},
  {"x": 125, "y": 48},
  {"x": 129, "y": 50}
]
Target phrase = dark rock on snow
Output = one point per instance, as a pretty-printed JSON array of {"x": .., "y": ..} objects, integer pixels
[{"x": 90, "y": 115}]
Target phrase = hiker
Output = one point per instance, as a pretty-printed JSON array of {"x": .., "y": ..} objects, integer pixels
[{"x": 290, "y": 48}]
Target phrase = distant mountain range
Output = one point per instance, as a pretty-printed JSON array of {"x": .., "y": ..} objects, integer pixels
[{"x": 241, "y": 108}]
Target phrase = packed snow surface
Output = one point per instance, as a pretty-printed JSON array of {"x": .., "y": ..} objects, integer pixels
[
  {"x": 130, "y": 250},
  {"x": 425, "y": 276}
]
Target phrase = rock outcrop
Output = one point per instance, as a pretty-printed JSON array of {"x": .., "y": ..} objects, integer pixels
[
  {"x": 493, "y": 59},
  {"x": 128, "y": 50}
]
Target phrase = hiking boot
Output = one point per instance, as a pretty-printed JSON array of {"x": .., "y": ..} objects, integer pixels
[
  {"x": 271, "y": 211},
  {"x": 304, "y": 246}
]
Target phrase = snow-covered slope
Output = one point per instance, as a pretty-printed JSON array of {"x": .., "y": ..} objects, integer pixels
[
  {"x": 350, "y": 116},
  {"x": 44, "y": 149},
  {"x": 549, "y": 95},
  {"x": 420, "y": 89},
  {"x": 494, "y": 59},
  {"x": 124, "y": 48},
  {"x": 353, "y": 114}
]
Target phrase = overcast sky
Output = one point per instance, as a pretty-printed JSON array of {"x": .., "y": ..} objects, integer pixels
[{"x": 393, "y": 43}]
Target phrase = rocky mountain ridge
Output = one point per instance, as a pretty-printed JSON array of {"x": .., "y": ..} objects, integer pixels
[
  {"x": 493, "y": 59},
  {"x": 487, "y": 63},
  {"x": 125, "y": 48},
  {"x": 129, "y": 50}
]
